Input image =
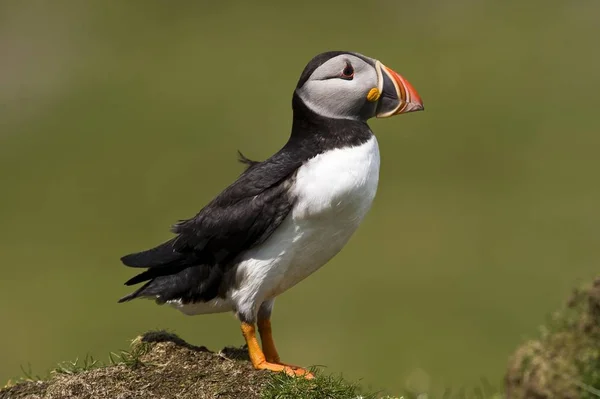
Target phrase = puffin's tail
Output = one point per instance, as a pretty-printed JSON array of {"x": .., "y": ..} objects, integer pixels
[
  {"x": 160, "y": 255},
  {"x": 137, "y": 293},
  {"x": 159, "y": 261}
]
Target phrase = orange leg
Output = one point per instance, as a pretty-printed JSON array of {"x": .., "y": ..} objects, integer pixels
[
  {"x": 257, "y": 356},
  {"x": 271, "y": 355}
]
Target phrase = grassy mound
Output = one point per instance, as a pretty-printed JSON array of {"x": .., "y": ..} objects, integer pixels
[
  {"x": 565, "y": 361},
  {"x": 162, "y": 365}
]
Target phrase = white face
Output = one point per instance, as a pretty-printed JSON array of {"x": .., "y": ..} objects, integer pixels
[{"x": 339, "y": 88}]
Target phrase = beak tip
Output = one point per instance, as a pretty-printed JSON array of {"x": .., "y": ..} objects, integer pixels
[{"x": 414, "y": 107}]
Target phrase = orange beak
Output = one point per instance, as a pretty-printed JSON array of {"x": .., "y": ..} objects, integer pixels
[{"x": 398, "y": 96}]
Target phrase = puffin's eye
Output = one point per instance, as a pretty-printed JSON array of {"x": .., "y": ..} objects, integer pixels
[{"x": 348, "y": 72}]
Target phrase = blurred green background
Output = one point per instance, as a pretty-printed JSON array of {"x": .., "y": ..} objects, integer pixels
[{"x": 119, "y": 118}]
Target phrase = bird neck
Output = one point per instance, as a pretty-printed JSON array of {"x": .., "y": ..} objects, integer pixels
[{"x": 323, "y": 131}]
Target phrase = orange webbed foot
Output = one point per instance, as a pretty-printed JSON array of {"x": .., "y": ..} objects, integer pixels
[
  {"x": 271, "y": 361},
  {"x": 292, "y": 371}
]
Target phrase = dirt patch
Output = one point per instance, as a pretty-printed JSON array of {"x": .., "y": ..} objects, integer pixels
[
  {"x": 167, "y": 367},
  {"x": 565, "y": 361}
]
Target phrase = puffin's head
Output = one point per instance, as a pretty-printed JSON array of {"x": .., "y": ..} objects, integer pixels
[{"x": 345, "y": 85}]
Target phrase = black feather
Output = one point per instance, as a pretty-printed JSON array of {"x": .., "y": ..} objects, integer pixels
[
  {"x": 163, "y": 254},
  {"x": 243, "y": 159}
]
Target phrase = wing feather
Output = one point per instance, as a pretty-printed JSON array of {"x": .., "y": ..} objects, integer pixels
[{"x": 192, "y": 264}]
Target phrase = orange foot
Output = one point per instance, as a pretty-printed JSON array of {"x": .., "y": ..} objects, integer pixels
[
  {"x": 257, "y": 357},
  {"x": 293, "y": 371},
  {"x": 270, "y": 353}
]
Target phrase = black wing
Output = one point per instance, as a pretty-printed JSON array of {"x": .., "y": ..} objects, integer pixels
[{"x": 192, "y": 265}]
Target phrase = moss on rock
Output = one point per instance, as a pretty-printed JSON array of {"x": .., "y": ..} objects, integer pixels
[{"x": 565, "y": 361}]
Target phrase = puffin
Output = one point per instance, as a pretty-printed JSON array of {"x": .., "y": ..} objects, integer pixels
[{"x": 285, "y": 217}]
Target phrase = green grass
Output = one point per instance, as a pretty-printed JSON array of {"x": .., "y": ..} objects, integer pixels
[
  {"x": 130, "y": 358},
  {"x": 77, "y": 365},
  {"x": 281, "y": 386}
]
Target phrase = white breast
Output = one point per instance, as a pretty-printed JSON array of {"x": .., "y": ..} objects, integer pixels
[
  {"x": 338, "y": 183},
  {"x": 334, "y": 191}
]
